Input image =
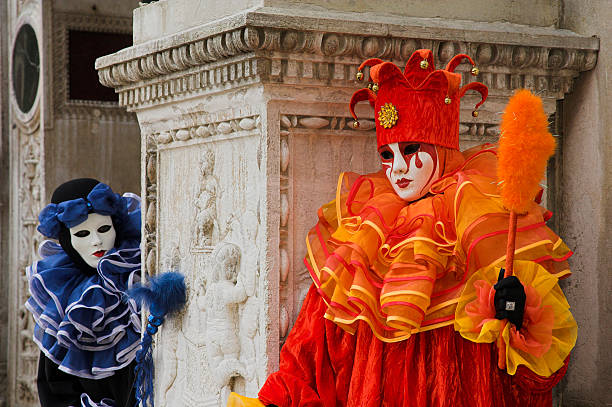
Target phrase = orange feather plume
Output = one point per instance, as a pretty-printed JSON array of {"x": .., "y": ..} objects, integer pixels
[{"x": 525, "y": 145}]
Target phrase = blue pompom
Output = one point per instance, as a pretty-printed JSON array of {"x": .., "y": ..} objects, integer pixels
[{"x": 163, "y": 295}]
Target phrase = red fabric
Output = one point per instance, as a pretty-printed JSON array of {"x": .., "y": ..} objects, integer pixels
[
  {"x": 324, "y": 366},
  {"x": 423, "y": 116},
  {"x": 419, "y": 96}
]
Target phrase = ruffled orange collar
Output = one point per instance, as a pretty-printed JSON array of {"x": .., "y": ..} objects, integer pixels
[{"x": 401, "y": 267}]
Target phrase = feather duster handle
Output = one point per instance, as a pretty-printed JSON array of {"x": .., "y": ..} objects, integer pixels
[
  {"x": 525, "y": 145},
  {"x": 163, "y": 295}
]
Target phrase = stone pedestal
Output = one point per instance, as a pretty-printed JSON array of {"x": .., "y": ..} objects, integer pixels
[{"x": 245, "y": 129}]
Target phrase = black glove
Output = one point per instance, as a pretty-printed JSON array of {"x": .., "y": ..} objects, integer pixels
[{"x": 509, "y": 299}]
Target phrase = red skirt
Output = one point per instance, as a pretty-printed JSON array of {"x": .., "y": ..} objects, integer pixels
[{"x": 322, "y": 365}]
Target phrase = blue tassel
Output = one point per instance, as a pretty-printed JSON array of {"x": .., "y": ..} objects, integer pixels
[
  {"x": 144, "y": 372},
  {"x": 163, "y": 295}
]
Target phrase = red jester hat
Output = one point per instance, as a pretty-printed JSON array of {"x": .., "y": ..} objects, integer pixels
[{"x": 420, "y": 105}]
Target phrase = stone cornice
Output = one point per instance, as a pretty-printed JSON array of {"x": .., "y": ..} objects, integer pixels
[
  {"x": 419, "y": 28},
  {"x": 206, "y": 56}
]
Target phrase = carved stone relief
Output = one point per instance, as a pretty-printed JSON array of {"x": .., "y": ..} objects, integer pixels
[
  {"x": 25, "y": 201},
  {"x": 211, "y": 229},
  {"x": 30, "y": 193},
  {"x": 149, "y": 204},
  {"x": 261, "y": 51},
  {"x": 205, "y": 204}
]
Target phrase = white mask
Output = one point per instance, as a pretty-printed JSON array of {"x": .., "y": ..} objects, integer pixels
[
  {"x": 410, "y": 167},
  {"x": 93, "y": 238}
]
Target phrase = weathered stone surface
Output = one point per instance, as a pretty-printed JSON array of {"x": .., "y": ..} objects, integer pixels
[
  {"x": 220, "y": 344},
  {"x": 209, "y": 169},
  {"x": 586, "y": 211},
  {"x": 169, "y": 17}
]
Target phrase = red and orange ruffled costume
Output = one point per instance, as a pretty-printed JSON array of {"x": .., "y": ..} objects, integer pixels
[{"x": 401, "y": 310}]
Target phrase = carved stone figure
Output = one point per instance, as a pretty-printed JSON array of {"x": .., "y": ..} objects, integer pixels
[
  {"x": 167, "y": 361},
  {"x": 205, "y": 202},
  {"x": 172, "y": 259},
  {"x": 224, "y": 292}
]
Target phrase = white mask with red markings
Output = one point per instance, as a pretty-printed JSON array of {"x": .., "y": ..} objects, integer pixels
[
  {"x": 93, "y": 238},
  {"x": 410, "y": 167}
]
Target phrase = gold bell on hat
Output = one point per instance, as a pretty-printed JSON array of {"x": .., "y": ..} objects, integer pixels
[
  {"x": 355, "y": 124},
  {"x": 359, "y": 75},
  {"x": 375, "y": 87},
  {"x": 447, "y": 100},
  {"x": 475, "y": 113},
  {"x": 424, "y": 64},
  {"x": 475, "y": 71}
]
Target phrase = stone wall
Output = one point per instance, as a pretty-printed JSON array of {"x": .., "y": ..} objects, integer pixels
[
  {"x": 586, "y": 210},
  {"x": 87, "y": 138},
  {"x": 244, "y": 130}
]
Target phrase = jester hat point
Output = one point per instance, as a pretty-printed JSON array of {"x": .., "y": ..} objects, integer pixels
[{"x": 418, "y": 105}]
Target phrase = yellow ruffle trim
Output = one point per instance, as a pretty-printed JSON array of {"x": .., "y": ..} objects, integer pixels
[
  {"x": 543, "y": 350},
  {"x": 236, "y": 400}
]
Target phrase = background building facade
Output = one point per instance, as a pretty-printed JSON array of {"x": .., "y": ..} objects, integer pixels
[{"x": 57, "y": 123}]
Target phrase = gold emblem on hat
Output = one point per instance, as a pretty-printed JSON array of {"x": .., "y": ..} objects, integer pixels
[{"x": 387, "y": 115}]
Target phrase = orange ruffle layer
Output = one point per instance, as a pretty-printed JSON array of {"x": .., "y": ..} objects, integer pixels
[{"x": 401, "y": 267}]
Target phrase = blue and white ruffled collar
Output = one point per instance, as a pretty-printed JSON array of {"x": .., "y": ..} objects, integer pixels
[{"x": 83, "y": 323}]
